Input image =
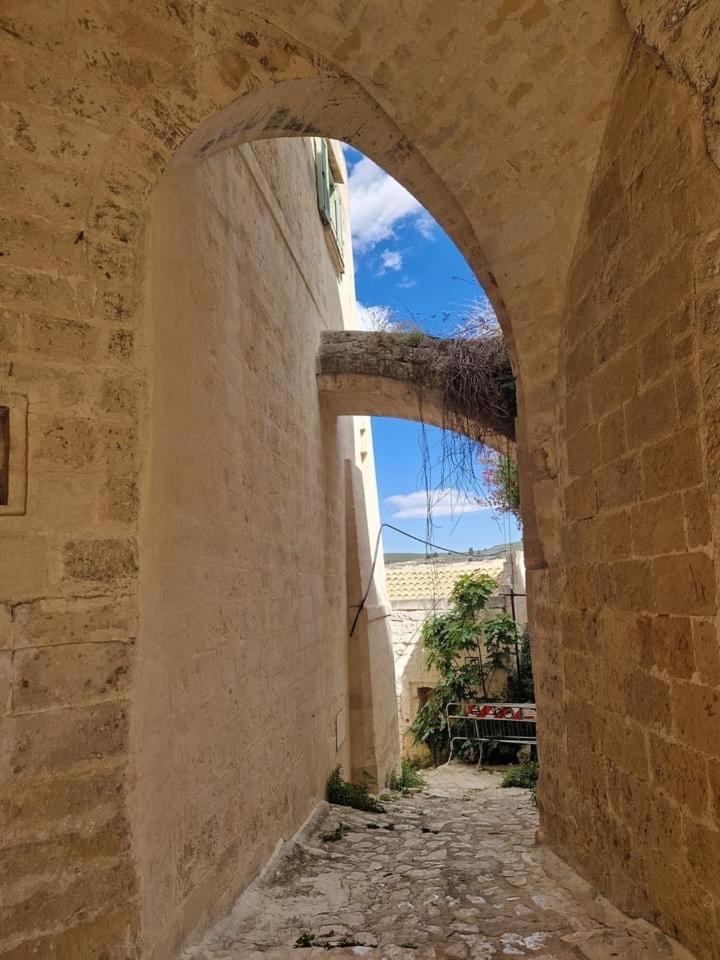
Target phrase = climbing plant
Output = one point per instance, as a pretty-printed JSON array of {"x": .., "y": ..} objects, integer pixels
[
  {"x": 500, "y": 476},
  {"x": 466, "y": 650}
]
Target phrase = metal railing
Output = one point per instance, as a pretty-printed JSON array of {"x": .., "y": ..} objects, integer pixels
[{"x": 483, "y": 722}]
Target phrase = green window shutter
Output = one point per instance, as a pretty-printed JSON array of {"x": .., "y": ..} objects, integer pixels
[
  {"x": 329, "y": 201},
  {"x": 324, "y": 180},
  {"x": 337, "y": 219}
]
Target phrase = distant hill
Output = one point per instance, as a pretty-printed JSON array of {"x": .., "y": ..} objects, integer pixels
[{"x": 487, "y": 553}]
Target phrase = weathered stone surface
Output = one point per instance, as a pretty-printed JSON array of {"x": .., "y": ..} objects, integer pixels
[
  {"x": 452, "y": 874},
  {"x": 405, "y": 375}
]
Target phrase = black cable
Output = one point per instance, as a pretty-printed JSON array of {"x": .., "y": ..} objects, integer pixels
[{"x": 427, "y": 543}]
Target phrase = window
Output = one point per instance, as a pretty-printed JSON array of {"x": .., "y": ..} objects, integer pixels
[{"x": 330, "y": 199}]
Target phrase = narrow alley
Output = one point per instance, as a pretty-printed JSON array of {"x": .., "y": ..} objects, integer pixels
[{"x": 451, "y": 873}]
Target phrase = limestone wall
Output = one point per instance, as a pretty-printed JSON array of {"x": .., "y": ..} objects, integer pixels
[
  {"x": 629, "y": 665},
  {"x": 580, "y": 186},
  {"x": 167, "y": 732}
]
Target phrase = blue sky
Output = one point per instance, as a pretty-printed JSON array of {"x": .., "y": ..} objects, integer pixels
[{"x": 407, "y": 268}]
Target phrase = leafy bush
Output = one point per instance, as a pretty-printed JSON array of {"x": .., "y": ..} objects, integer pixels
[
  {"x": 346, "y": 794},
  {"x": 467, "y": 651},
  {"x": 525, "y": 776},
  {"x": 409, "y": 778}
]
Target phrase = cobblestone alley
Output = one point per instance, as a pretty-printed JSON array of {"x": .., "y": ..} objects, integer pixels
[{"x": 449, "y": 874}]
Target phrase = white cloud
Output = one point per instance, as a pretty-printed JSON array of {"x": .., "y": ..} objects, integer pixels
[
  {"x": 390, "y": 260},
  {"x": 376, "y": 317},
  {"x": 378, "y": 204},
  {"x": 443, "y": 502},
  {"x": 407, "y": 282},
  {"x": 425, "y": 225}
]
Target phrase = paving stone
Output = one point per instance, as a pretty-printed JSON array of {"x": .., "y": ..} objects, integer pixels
[{"x": 477, "y": 889}]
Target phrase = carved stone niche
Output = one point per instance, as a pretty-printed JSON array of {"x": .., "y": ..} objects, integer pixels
[{"x": 13, "y": 454}]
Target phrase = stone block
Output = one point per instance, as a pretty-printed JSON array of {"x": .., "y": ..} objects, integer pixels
[
  {"x": 119, "y": 397},
  {"x": 703, "y": 853},
  {"x": 61, "y": 444},
  {"x": 680, "y": 773},
  {"x": 696, "y": 711},
  {"x": 69, "y": 851},
  {"x": 581, "y": 500},
  {"x": 651, "y": 415},
  {"x": 114, "y": 935},
  {"x": 23, "y": 567},
  {"x": 617, "y": 538},
  {"x": 73, "y": 620},
  {"x": 658, "y": 526},
  {"x": 625, "y": 743},
  {"x": 577, "y": 410},
  {"x": 632, "y": 585},
  {"x": 59, "y": 339},
  {"x": 618, "y": 483},
  {"x": 57, "y": 740},
  {"x": 696, "y": 509},
  {"x": 647, "y": 700},
  {"x": 101, "y": 561},
  {"x": 613, "y": 440},
  {"x": 654, "y": 820},
  {"x": 687, "y": 394},
  {"x": 6, "y": 672},
  {"x": 583, "y": 451},
  {"x": 65, "y": 802},
  {"x": 707, "y": 651},
  {"x": 611, "y": 337},
  {"x": 75, "y": 897},
  {"x": 685, "y": 584},
  {"x": 668, "y": 646},
  {"x": 656, "y": 353},
  {"x": 69, "y": 674},
  {"x": 615, "y": 382},
  {"x": 9, "y": 329},
  {"x": 672, "y": 464},
  {"x": 121, "y": 344}
]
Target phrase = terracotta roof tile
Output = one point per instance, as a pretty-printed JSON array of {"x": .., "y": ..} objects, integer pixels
[{"x": 433, "y": 580}]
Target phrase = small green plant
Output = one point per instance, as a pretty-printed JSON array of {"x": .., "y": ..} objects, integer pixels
[
  {"x": 305, "y": 939},
  {"x": 525, "y": 775},
  {"x": 346, "y": 794},
  {"x": 409, "y": 778},
  {"x": 332, "y": 836}
]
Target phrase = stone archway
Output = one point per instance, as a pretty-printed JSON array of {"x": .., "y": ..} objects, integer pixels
[{"x": 502, "y": 133}]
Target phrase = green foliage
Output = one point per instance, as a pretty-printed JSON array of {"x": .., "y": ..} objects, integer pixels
[
  {"x": 471, "y": 593},
  {"x": 521, "y": 685},
  {"x": 502, "y": 636},
  {"x": 346, "y": 794},
  {"x": 409, "y": 778},
  {"x": 467, "y": 651},
  {"x": 305, "y": 939},
  {"x": 525, "y": 775},
  {"x": 332, "y": 836}
]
